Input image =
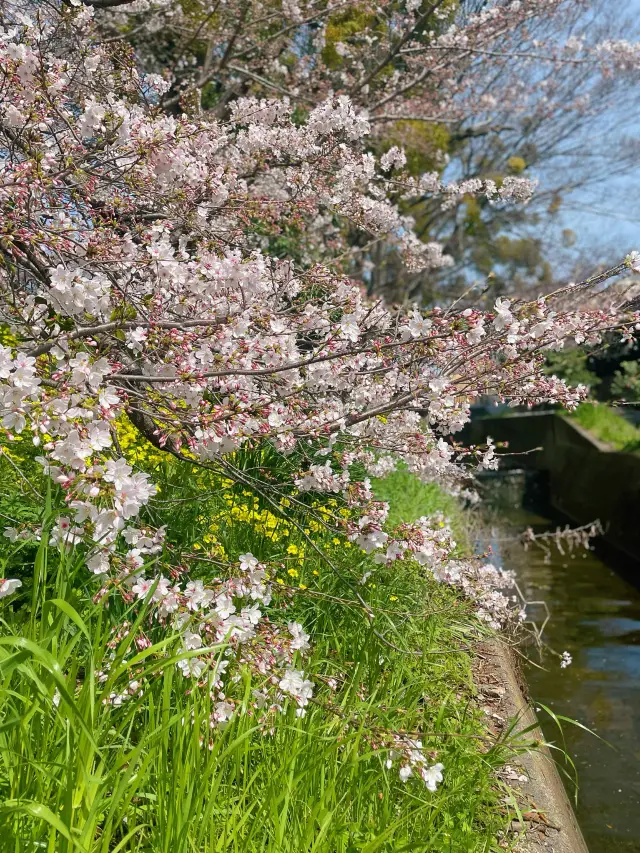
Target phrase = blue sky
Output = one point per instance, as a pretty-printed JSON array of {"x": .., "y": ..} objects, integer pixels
[{"x": 608, "y": 218}]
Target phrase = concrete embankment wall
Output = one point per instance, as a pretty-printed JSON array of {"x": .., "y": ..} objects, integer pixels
[
  {"x": 549, "y": 824},
  {"x": 587, "y": 480}
]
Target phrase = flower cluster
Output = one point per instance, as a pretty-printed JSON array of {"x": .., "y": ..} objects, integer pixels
[
  {"x": 413, "y": 761},
  {"x": 222, "y": 625}
]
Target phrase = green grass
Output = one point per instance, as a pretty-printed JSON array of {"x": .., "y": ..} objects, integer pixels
[
  {"x": 86, "y": 776},
  {"x": 410, "y": 498},
  {"x": 607, "y": 426}
]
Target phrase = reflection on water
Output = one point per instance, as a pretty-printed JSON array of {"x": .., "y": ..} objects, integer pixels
[{"x": 596, "y": 617}]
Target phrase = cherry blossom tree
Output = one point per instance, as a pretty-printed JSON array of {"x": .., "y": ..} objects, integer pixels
[
  {"x": 469, "y": 90},
  {"x": 140, "y": 281}
]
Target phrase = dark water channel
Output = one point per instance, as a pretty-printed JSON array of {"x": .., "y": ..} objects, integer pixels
[{"x": 595, "y": 615}]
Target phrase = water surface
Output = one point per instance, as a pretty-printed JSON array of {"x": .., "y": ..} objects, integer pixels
[{"x": 595, "y": 615}]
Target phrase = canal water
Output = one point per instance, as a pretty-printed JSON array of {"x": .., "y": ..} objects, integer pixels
[{"x": 595, "y": 616}]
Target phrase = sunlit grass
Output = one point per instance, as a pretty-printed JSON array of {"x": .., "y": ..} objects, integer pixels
[
  {"x": 410, "y": 498},
  {"x": 608, "y": 426},
  {"x": 77, "y": 774}
]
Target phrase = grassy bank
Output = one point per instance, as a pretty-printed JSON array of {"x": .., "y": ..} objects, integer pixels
[
  {"x": 82, "y": 771},
  {"x": 409, "y": 498},
  {"x": 607, "y": 426}
]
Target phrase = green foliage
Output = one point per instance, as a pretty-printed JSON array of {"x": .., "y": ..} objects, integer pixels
[
  {"x": 571, "y": 365},
  {"x": 149, "y": 777},
  {"x": 210, "y": 95},
  {"x": 340, "y": 28},
  {"x": 626, "y": 382},
  {"x": 516, "y": 164},
  {"x": 509, "y": 260},
  {"x": 423, "y": 143}
]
